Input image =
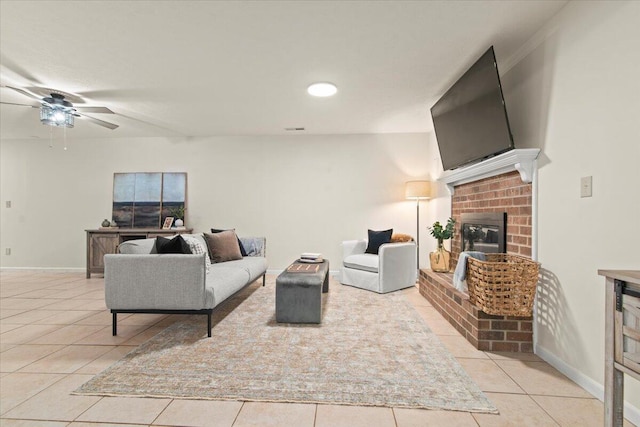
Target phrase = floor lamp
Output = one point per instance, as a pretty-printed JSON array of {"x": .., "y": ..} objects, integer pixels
[{"x": 418, "y": 190}]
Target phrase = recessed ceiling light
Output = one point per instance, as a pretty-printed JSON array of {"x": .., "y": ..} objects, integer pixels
[{"x": 322, "y": 89}]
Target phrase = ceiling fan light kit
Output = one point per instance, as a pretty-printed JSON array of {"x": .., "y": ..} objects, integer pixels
[
  {"x": 55, "y": 117},
  {"x": 55, "y": 111}
]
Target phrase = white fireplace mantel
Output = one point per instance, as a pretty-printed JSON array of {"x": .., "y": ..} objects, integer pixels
[{"x": 523, "y": 160}]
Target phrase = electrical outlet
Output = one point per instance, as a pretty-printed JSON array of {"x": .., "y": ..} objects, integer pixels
[
  {"x": 8, "y": 204},
  {"x": 585, "y": 186},
  {"x": 7, "y": 251}
]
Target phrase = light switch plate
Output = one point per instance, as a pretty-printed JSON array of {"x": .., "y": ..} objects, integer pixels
[
  {"x": 585, "y": 186},
  {"x": 8, "y": 203}
]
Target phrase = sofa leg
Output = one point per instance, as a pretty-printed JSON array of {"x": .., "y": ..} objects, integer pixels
[
  {"x": 264, "y": 278},
  {"x": 114, "y": 323},
  {"x": 209, "y": 324}
]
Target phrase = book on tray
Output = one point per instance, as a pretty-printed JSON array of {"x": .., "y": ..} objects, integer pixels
[{"x": 311, "y": 257}]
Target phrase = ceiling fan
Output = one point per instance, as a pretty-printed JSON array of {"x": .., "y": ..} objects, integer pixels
[{"x": 55, "y": 110}]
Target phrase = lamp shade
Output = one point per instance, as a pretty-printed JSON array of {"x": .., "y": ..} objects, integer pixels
[{"x": 417, "y": 190}]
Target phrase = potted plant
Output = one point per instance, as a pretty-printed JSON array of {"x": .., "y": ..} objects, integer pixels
[
  {"x": 441, "y": 257},
  {"x": 178, "y": 213}
]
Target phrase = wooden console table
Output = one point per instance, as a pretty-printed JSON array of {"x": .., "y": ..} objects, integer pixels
[
  {"x": 106, "y": 240},
  {"x": 622, "y": 339}
]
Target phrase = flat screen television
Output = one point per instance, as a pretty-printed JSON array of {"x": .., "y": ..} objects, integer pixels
[{"x": 470, "y": 119}]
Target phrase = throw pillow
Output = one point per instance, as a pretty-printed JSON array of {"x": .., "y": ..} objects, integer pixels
[
  {"x": 242, "y": 250},
  {"x": 255, "y": 246},
  {"x": 177, "y": 245},
  {"x": 376, "y": 239},
  {"x": 401, "y": 238},
  {"x": 197, "y": 248},
  {"x": 223, "y": 246}
]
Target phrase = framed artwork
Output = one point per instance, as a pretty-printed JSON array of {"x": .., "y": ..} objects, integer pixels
[
  {"x": 167, "y": 223},
  {"x": 146, "y": 199}
]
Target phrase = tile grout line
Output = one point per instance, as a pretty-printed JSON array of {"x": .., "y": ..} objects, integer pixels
[
  {"x": 161, "y": 412},
  {"x": 529, "y": 396},
  {"x": 2, "y": 415},
  {"x": 238, "y": 414},
  {"x": 315, "y": 415}
]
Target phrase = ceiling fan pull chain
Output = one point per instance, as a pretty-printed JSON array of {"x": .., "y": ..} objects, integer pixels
[
  {"x": 64, "y": 136},
  {"x": 50, "y": 136}
]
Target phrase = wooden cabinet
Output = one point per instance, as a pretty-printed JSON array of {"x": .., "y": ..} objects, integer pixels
[
  {"x": 622, "y": 339},
  {"x": 98, "y": 245},
  {"x": 105, "y": 241}
]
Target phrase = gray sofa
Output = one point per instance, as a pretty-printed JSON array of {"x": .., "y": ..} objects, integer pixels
[{"x": 138, "y": 280}]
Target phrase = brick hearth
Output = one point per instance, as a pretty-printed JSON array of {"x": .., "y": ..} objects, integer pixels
[
  {"x": 501, "y": 193},
  {"x": 484, "y": 331}
]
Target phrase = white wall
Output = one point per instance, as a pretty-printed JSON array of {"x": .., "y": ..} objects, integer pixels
[
  {"x": 304, "y": 193},
  {"x": 576, "y": 95}
]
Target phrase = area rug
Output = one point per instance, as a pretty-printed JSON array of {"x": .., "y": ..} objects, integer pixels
[{"x": 370, "y": 349}]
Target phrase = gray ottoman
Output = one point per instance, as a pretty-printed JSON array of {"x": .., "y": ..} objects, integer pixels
[{"x": 299, "y": 294}]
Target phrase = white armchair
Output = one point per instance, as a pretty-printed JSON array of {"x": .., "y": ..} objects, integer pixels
[{"x": 393, "y": 268}]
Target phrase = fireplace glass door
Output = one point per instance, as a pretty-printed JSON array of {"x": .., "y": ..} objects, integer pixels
[{"x": 484, "y": 232}]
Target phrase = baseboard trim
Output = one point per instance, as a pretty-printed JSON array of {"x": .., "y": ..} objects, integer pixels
[
  {"x": 46, "y": 269},
  {"x": 82, "y": 270},
  {"x": 631, "y": 413}
]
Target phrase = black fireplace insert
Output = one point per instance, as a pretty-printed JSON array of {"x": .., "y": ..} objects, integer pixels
[{"x": 484, "y": 232}]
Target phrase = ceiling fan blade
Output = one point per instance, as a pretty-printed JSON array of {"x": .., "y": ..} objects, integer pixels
[
  {"x": 97, "y": 121},
  {"x": 95, "y": 110},
  {"x": 24, "y": 92},
  {"x": 148, "y": 122},
  {"x": 21, "y": 105},
  {"x": 17, "y": 70}
]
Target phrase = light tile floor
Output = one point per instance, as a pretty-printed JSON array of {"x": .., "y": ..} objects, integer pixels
[{"x": 55, "y": 334}]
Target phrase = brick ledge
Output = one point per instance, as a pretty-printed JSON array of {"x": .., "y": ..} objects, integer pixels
[{"x": 484, "y": 331}]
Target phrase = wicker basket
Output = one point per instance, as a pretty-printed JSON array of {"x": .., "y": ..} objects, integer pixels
[{"x": 503, "y": 285}]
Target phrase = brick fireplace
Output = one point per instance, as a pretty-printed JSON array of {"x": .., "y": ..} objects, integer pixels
[
  {"x": 502, "y": 189},
  {"x": 502, "y": 193}
]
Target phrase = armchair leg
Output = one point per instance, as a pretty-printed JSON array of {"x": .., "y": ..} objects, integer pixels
[
  {"x": 264, "y": 278},
  {"x": 209, "y": 324}
]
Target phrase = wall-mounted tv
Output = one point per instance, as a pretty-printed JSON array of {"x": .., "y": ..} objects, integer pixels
[{"x": 470, "y": 119}]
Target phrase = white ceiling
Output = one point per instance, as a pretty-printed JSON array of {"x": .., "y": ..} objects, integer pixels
[{"x": 202, "y": 68}]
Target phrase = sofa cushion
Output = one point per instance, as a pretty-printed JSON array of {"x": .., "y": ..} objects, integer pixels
[
  {"x": 376, "y": 239},
  {"x": 219, "y": 230},
  {"x": 225, "y": 281},
  {"x": 223, "y": 246},
  {"x": 365, "y": 262},
  {"x": 254, "y": 265},
  {"x": 177, "y": 245}
]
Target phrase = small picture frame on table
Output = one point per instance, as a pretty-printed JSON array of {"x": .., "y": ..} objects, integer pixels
[{"x": 167, "y": 223}]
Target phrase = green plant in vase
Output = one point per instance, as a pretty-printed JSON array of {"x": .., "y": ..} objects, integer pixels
[
  {"x": 440, "y": 258},
  {"x": 178, "y": 213}
]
